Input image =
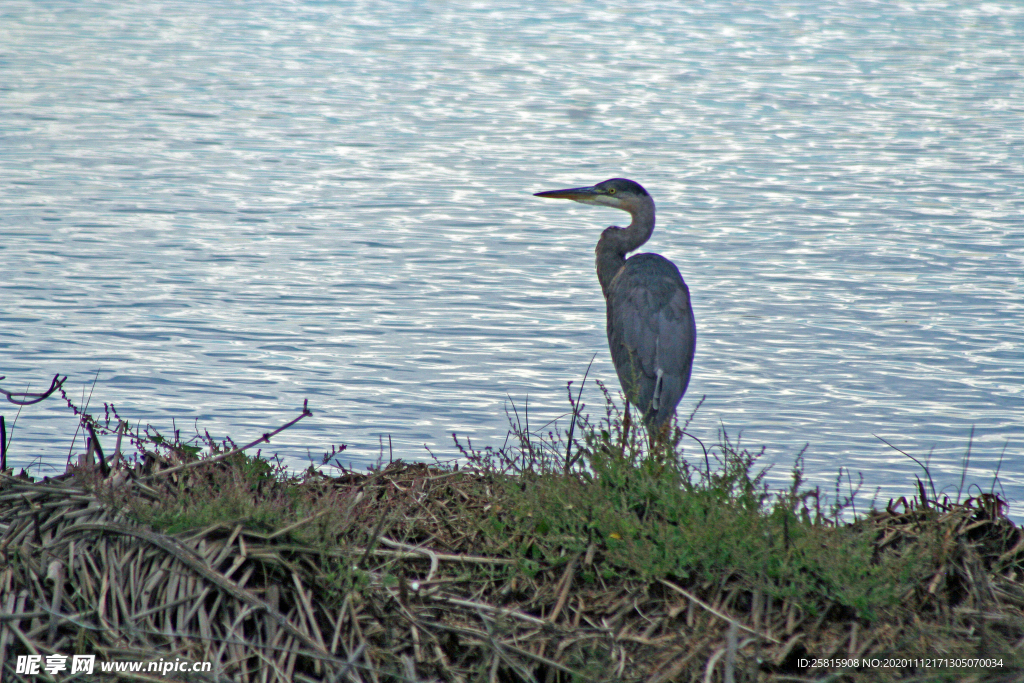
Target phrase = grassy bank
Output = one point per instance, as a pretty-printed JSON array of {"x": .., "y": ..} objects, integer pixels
[{"x": 610, "y": 560}]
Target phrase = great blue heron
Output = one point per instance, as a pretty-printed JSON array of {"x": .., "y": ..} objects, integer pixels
[{"x": 651, "y": 331}]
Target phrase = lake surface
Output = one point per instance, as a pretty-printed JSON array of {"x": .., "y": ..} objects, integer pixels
[{"x": 225, "y": 208}]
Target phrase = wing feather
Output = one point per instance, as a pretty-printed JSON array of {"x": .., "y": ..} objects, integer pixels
[{"x": 651, "y": 328}]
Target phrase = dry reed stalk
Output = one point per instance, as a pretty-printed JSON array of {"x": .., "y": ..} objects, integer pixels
[{"x": 430, "y": 599}]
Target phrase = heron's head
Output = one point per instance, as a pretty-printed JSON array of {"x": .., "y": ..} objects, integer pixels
[{"x": 618, "y": 193}]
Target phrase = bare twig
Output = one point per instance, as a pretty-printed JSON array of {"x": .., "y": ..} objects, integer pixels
[
  {"x": 569, "y": 461},
  {"x": 718, "y": 614},
  {"x": 25, "y": 398},
  {"x": 306, "y": 412}
]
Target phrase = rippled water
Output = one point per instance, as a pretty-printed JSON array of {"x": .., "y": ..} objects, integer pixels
[{"x": 225, "y": 208}]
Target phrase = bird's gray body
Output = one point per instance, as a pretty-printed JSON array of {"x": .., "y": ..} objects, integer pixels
[
  {"x": 651, "y": 331},
  {"x": 651, "y": 334}
]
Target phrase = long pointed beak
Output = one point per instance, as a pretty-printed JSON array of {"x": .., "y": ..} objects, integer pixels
[{"x": 578, "y": 194}]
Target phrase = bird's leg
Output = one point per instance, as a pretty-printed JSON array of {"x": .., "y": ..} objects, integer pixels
[
  {"x": 658, "y": 383},
  {"x": 658, "y": 436}
]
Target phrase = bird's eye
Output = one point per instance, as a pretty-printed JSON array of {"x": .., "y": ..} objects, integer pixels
[{"x": 611, "y": 190}]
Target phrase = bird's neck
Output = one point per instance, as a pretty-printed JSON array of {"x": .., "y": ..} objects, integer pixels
[{"x": 615, "y": 243}]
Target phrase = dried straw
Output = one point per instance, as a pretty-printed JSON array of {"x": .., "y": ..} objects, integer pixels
[{"x": 432, "y": 602}]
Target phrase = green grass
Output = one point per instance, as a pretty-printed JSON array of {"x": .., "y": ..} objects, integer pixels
[
  {"x": 640, "y": 509},
  {"x": 653, "y": 515}
]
